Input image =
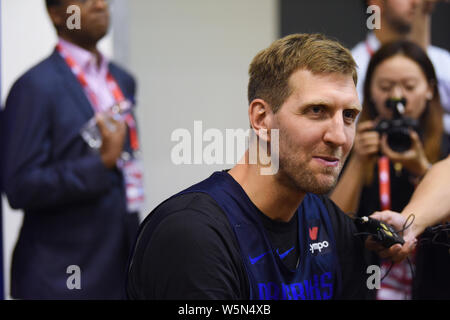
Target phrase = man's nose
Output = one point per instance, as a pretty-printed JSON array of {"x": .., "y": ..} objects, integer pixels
[{"x": 335, "y": 132}]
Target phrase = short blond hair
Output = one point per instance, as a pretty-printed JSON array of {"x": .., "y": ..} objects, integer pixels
[{"x": 271, "y": 68}]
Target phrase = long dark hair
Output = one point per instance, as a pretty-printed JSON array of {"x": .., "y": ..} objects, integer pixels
[{"x": 430, "y": 122}]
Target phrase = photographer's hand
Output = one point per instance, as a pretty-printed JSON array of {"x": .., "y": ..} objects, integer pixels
[
  {"x": 414, "y": 159},
  {"x": 367, "y": 143}
]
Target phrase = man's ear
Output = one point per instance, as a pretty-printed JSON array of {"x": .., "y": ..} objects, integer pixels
[{"x": 260, "y": 115}]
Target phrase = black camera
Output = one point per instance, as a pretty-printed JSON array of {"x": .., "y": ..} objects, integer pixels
[{"x": 397, "y": 128}]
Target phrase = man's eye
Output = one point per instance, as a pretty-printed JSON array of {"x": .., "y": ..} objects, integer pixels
[
  {"x": 316, "y": 109},
  {"x": 350, "y": 115}
]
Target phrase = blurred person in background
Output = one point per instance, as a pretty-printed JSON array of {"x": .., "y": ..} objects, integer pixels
[
  {"x": 406, "y": 20},
  {"x": 399, "y": 71},
  {"x": 80, "y": 217}
]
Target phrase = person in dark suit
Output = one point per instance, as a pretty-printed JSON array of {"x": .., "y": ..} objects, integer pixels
[{"x": 77, "y": 230}]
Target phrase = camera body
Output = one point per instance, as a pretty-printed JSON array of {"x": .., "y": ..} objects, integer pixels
[{"x": 397, "y": 128}]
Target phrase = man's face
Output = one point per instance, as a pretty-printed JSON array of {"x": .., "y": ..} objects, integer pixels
[
  {"x": 400, "y": 13},
  {"x": 316, "y": 130},
  {"x": 94, "y": 18}
]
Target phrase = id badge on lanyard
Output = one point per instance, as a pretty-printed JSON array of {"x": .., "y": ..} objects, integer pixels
[
  {"x": 129, "y": 163},
  {"x": 132, "y": 169}
]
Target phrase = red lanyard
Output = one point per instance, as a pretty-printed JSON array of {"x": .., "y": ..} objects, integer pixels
[
  {"x": 368, "y": 48},
  {"x": 384, "y": 177},
  {"x": 112, "y": 85},
  {"x": 134, "y": 141},
  {"x": 384, "y": 182}
]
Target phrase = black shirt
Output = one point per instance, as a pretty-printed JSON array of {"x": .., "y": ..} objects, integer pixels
[{"x": 193, "y": 252}]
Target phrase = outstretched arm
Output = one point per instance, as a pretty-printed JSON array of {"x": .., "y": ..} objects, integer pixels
[
  {"x": 430, "y": 205},
  {"x": 430, "y": 202}
]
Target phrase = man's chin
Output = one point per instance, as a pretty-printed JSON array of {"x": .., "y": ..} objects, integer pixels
[
  {"x": 310, "y": 179},
  {"x": 322, "y": 189},
  {"x": 402, "y": 26},
  {"x": 323, "y": 185}
]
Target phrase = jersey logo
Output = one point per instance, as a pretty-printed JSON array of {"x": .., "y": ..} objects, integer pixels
[
  {"x": 256, "y": 259},
  {"x": 281, "y": 255},
  {"x": 319, "y": 243},
  {"x": 318, "y": 246},
  {"x": 313, "y": 233},
  {"x": 284, "y": 254}
]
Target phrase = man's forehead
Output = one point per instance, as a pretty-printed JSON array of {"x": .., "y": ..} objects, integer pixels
[
  {"x": 304, "y": 74},
  {"x": 324, "y": 88}
]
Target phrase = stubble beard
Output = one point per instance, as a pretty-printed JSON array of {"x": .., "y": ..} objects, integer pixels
[{"x": 295, "y": 172}]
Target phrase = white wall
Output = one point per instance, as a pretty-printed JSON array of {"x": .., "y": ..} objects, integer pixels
[
  {"x": 27, "y": 38},
  {"x": 190, "y": 58}
]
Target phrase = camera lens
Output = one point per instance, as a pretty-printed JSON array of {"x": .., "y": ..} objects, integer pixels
[
  {"x": 398, "y": 139},
  {"x": 397, "y": 128}
]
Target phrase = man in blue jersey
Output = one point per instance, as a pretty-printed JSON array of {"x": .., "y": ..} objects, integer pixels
[{"x": 241, "y": 234}]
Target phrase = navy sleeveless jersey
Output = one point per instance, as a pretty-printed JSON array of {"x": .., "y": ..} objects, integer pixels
[{"x": 317, "y": 274}]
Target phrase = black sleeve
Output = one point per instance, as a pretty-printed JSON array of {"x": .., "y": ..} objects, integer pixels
[
  {"x": 190, "y": 255},
  {"x": 351, "y": 255}
]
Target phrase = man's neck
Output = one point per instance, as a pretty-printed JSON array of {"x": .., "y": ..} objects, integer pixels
[
  {"x": 88, "y": 46},
  {"x": 274, "y": 199}
]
